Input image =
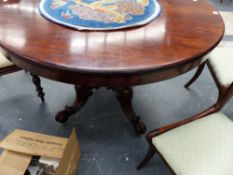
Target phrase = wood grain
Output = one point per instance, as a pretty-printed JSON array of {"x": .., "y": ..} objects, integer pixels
[{"x": 167, "y": 47}]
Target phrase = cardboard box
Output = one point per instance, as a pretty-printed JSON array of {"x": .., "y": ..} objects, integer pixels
[{"x": 20, "y": 146}]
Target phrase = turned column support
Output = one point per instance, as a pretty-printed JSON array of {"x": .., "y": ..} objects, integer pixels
[{"x": 37, "y": 83}]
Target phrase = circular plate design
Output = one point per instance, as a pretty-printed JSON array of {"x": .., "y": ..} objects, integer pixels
[{"x": 100, "y": 14}]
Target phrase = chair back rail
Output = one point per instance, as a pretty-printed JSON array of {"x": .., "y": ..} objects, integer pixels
[{"x": 216, "y": 107}]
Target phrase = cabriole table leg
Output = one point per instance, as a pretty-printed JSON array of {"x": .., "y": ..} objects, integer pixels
[
  {"x": 82, "y": 95},
  {"x": 124, "y": 96}
]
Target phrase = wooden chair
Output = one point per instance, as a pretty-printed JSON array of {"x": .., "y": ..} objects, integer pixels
[
  {"x": 220, "y": 64},
  {"x": 7, "y": 67},
  {"x": 199, "y": 145},
  {"x": 202, "y": 144}
]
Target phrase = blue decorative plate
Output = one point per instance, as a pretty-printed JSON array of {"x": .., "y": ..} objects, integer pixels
[{"x": 100, "y": 14}]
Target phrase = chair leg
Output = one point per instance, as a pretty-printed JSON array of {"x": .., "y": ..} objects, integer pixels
[
  {"x": 196, "y": 75},
  {"x": 39, "y": 89},
  {"x": 222, "y": 91},
  {"x": 148, "y": 157}
]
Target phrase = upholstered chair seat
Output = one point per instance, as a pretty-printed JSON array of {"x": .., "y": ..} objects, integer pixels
[
  {"x": 221, "y": 62},
  {"x": 201, "y": 147},
  {"x": 4, "y": 62}
]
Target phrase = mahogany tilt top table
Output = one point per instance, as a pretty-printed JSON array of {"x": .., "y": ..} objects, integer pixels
[{"x": 170, "y": 45}]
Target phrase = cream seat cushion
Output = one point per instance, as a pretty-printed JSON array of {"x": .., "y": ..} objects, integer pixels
[
  {"x": 202, "y": 147},
  {"x": 221, "y": 60},
  {"x": 4, "y": 62}
]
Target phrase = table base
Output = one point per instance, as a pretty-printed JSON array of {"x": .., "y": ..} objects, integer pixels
[{"x": 124, "y": 96}]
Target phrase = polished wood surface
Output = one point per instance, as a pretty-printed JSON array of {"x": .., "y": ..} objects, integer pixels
[{"x": 169, "y": 46}]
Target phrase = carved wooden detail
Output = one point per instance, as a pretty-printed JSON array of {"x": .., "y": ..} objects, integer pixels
[
  {"x": 39, "y": 89},
  {"x": 124, "y": 96},
  {"x": 82, "y": 95}
]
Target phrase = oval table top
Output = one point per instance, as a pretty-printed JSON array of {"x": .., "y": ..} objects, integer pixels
[{"x": 170, "y": 45}]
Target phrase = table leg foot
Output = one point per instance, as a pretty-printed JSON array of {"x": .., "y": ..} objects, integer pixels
[
  {"x": 124, "y": 96},
  {"x": 82, "y": 95},
  {"x": 139, "y": 127}
]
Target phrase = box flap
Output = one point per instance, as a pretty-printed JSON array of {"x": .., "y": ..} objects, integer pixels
[
  {"x": 34, "y": 144},
  {"x": 71, "y": 156},
  {"x": 13, "y": 163}
]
